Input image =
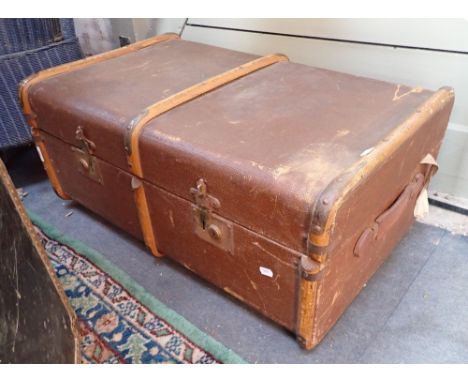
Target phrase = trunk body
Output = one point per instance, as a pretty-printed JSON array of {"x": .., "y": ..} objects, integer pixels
[{"x": 283, "y": 184}]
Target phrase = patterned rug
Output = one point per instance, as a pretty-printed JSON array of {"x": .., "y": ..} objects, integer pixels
[{"x": 119, "y": 321}]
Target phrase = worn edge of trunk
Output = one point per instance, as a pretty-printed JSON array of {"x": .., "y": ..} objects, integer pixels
[{"x": 326, "y": 206}]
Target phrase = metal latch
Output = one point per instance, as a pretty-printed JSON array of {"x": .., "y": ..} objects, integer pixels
[
  {"x": 208, "y": 225},
  {"x": 87, "y": 163}
]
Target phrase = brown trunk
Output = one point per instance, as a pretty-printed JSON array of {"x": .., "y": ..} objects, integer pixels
[{"x": 258, "y": 174}]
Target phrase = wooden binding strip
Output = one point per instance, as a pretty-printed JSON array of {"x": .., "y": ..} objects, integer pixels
[
  {"x": 137, "y": 125},
  {"x": 26, "y": 84}
]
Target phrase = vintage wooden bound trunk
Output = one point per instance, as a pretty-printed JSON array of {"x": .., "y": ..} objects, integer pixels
[{"x": 283, "y": 184}]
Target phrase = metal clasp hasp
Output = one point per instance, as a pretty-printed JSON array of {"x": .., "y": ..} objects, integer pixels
[
  {"x": 207, "y": 225},
  {"x": 84, "y": 155}
]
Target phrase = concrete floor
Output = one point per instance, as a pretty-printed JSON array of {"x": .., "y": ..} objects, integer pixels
[{"x": 414, "y": 310}]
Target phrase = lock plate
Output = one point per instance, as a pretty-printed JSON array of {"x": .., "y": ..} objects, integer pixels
[
  {"x": 207, "y": 225},
  {"x": 87, "y": 165},
  {"x": 86, "y": 162},
  {"x": 215, "y": 230}
]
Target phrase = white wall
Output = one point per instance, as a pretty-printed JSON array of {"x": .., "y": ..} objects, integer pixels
[
  {"x": 100, "y": 35},
  {"x": 95, "y": 35}
]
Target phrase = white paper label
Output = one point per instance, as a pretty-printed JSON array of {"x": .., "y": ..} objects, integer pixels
[
  {"x": 266, "y": 272},
  {"x": 367, "y": 151},
  {"x": 422, "y": 205},
  {"x": 40, "y": 154}
]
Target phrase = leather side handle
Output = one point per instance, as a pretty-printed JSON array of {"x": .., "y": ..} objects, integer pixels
[{"x": 385, "y": 222}]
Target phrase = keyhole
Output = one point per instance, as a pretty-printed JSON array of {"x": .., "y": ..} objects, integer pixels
[{"x": 203, "y": 219}]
